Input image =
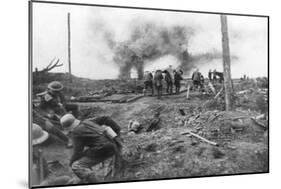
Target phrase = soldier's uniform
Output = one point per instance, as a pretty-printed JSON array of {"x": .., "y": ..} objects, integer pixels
[
  {"x": 93, "y": 144},
  {"x": 196, "y": 78},
  {"x": 158, "y": 82},
  {"x": 177, "y": 78},
  {"x": 148, "y": 77},
  {"x": 50, "y": 109},
  {"x": 52, "y": 103},
  {"x": 169, "y": 82}
]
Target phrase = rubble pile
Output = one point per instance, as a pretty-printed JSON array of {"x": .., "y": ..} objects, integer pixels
[{"x": 222, "y": 126}]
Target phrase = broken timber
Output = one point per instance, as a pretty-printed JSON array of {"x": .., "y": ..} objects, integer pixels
[
  {"x": 258, "y": 123},
  {"x": 134, "y": 98},
  {"x": 123, "y": 99},
  {"x": 218, "y": 94},
  {"x": 201, "y": 138}
]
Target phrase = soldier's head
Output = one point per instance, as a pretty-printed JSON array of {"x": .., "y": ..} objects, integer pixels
[
  {"x": 69, "y": 122},
  {"x": 38, "y": 135},
  {"x": 55, "y": 87}
]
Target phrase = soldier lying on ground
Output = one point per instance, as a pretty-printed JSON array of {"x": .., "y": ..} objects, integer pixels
[{"x": 93, "y": 144}]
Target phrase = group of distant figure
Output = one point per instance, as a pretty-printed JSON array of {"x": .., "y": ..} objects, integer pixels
[
  {"x": 172, "y": 78},
  {"x": 198, "y": 79},
  {"x": 215, "y": 76},
  {"x": 155, "y": 79}
]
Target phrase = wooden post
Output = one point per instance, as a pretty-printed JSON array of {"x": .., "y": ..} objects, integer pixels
[
  {"x": 69, "y": 46},
  {"x": 226, "y": 64}
]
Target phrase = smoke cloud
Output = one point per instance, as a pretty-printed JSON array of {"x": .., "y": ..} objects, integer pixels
[{"x": 107, "y": 42}]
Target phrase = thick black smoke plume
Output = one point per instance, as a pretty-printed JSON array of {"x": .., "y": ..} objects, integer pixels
[{"x": 146, "y": 43}]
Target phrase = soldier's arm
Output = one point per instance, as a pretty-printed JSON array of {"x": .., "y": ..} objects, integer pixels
[{"x": 78, "y": 149}]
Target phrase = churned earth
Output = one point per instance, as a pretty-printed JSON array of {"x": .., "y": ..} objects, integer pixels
[{"x": 170, "y": 151}]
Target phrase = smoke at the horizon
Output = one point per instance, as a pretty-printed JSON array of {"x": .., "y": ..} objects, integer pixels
[{"x": 107, "y": 41}]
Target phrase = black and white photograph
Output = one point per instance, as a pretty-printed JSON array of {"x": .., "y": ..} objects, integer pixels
[{"x": 122, "y": 94}]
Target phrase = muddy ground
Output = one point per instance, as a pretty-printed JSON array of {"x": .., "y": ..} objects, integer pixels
[{"x": 168, "y": 152}]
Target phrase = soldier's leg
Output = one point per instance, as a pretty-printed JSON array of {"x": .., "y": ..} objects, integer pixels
[
  {"x": 82, "y": 168},
  {"x": 144, "y": 88},
  {"x": 152, "y": 89},
  {"x": 178, "y": 88},
  {"x": 170, "y": 87},
  {"x": 157, "y": 91}
]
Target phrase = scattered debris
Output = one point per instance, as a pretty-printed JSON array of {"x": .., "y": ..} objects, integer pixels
[
  {"x": 258, "y": 123},
  {"x": 217, "y": 153},
  {"x": 202, "y": 138},
  {"x": 151, "y": 147},
  {"x": 155, "y": 123},
  {"x": 218, "y": 94}
]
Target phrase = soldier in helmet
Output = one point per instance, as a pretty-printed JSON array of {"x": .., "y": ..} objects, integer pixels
[
  {"x": 52, "y": 106},
  {"x": 52, "y": 100},
  {"x": 93, "y": 144},
  {"x": 40, "y": 173}
]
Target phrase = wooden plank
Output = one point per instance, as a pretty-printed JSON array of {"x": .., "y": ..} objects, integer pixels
[
  {"x": 199, "y": 137},
  {"x": 134, "y": 98}
]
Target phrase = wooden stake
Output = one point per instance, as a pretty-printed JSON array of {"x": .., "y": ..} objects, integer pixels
[
  {"x": 226, "y": 64},
  {"x": 201, "y": 138},
  {"x": 69, "y": 46}
]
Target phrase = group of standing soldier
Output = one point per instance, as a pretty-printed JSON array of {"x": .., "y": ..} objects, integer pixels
[
  {"x": 215, "y": 76},
  {"x": 155, "y": 80},
  {"x": 198, "y": 79}
]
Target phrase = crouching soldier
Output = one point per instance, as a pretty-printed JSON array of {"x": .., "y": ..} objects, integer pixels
[
  {"x": 52, "y": 100},
  {"x": 40, "y": 173},
  {"x": 93, "y": 144},
  {"x": 51, "y": 107}
]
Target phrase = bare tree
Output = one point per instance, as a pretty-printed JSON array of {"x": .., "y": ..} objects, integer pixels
[{"x": 53, "y": 64}]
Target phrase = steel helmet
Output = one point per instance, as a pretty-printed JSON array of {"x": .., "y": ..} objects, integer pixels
[
  {"x": 38, "y": 134},
  {"x": 68, "y": 121},
  {"x": 55, "y": 86}
]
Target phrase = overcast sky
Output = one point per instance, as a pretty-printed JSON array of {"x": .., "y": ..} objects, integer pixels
[{"x": 92, "y": 58}]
